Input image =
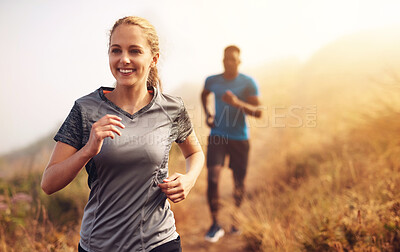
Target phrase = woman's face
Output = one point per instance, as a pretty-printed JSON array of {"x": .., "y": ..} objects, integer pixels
[{"x": 130, "y": 56}]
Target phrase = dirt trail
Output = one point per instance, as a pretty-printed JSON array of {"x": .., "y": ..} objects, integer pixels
[
  {"x": 193, "y": 216},
  {"x": 193, "y": 220}
]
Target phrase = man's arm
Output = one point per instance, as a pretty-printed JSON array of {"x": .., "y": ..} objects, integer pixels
[
  {"x": 250, "y": 107},
  {"x": 204, "y": 100}
]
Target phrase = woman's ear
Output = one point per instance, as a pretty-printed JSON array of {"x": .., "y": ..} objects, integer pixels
[{"x": 155, "y": 60}]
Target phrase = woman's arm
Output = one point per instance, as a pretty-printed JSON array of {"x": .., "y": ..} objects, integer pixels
[
  {"x": 66, "y": 161},
  {"x": 177, "y": 186}
]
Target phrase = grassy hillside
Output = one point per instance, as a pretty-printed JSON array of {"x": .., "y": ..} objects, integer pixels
[
  {"x": 333, "y": 187},
  {"x": 323, "y": 174}
]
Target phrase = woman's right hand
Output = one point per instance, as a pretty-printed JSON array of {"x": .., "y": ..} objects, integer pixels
[{"x": 104, "y": 127}]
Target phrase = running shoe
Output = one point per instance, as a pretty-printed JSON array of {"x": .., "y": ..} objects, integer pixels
[{"x": 215, "y": 233}]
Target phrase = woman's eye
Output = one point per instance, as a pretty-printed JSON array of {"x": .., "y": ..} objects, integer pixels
[
  {"x": 135, "y": 51},
  {"x": 115, "y": 50}
]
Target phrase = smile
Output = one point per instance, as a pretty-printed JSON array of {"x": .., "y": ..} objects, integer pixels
[{"x": 125, "y": 71}]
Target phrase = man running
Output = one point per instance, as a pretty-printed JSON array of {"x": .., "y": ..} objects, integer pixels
[{"x": 236, "y": 95}]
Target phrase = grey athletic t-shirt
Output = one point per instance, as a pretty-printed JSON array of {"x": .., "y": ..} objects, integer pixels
[{"x": 126, "y": 210}]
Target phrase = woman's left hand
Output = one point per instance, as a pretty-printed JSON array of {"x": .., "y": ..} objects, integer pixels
[{"x": 176, "y": 187}]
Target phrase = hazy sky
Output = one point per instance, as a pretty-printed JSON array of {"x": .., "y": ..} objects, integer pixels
[{"x": 53, "y": 52}]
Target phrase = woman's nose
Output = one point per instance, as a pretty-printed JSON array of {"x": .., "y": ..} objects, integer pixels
[{"x": 125, "y": 59}]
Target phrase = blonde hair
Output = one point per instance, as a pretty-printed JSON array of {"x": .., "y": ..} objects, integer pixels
[{"x": 152, "y": 38}]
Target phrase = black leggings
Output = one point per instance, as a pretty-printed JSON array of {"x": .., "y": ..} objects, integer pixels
[{"x": 171, "y": 246}]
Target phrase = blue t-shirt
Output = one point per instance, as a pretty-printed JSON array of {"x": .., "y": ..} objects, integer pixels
[{"x": 229, "y": 121}]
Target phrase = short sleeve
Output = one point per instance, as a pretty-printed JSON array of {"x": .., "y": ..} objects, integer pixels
[
  {"x": 184, "y": 124},
  {"x": 207, "y": 84},
  {"x": 71, "y": 131},
  {"x": 252, "y": 88}
]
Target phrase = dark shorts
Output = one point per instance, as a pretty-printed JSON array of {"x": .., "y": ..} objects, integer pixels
[
  {"x": 171, "y": 246},
  {"x": 237, "y": 150}
]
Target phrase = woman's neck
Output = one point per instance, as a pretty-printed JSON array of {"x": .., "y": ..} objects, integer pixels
[{"x": 130, "y": 98}]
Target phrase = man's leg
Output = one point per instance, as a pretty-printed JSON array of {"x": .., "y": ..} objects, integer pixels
[
  {"x": 212, "y": 190},
  {"x": 239, "y": 156},
  {"x": 238, "y": 193},
  {"x": 239, "y": 153},
  {"x": 215, "y": 162}
]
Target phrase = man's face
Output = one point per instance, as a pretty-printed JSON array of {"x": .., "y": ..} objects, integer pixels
[{"x": 231, "y": 61}]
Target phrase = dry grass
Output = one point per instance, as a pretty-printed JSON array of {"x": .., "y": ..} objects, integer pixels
[
  {"x": 33, "y": 221},
  {"x": 333, "y": 187},
  {"x": 341, "y": 197}
]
